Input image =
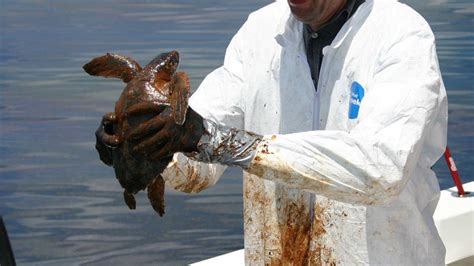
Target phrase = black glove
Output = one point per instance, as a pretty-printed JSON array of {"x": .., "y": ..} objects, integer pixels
[
  {"x": 161, "y": 137},
  {"x": 105, "y": 139}
]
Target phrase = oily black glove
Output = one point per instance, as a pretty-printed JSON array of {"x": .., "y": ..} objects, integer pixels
[{"x": 161, "y": 137}]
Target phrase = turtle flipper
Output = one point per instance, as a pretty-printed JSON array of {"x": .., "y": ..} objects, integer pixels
[
  {"x": 113, "y": 66},
  {"x": 129, "y": 200},
  {"x": 156, "y": 194},
  {"x": 180, "y": 92}
]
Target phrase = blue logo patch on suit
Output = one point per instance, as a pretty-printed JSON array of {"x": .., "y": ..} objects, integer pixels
[{"x": 357, "y": 94}]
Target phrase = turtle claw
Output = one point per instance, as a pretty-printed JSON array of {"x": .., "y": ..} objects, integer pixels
[
  {"x": 156, "y": 192},
  {"x": 129, "y": 200}
]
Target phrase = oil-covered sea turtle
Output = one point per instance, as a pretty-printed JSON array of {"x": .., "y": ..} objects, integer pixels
[{"x": 148, "y": 92}]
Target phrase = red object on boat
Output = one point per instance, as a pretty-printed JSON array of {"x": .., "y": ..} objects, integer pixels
[{"x": 454, "y": 171}]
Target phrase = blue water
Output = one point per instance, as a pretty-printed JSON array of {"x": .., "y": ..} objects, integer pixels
[{"x": 61, "y": 205}]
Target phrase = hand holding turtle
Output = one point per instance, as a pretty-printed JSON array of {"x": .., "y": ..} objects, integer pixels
[{"x": 161, "y": 136}]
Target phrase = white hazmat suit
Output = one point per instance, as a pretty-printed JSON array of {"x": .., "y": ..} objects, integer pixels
[{"x": 343, "y": 173}]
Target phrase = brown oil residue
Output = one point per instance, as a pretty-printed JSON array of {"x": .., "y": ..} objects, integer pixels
[
  {"x": 192, "y": 182},
  {"x": 295, "y": 235},
  {"x": 298, "y": 236},
  {"x": 320, "y": 253},
  {"x": 302, "y": 237},
  {"x": 255, "y": 205},
  {"x": 265, "y": 148}
]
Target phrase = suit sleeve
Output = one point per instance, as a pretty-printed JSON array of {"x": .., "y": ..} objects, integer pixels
[{"x": 371, "y": 163}]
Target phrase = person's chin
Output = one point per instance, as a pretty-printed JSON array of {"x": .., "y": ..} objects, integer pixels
[
  {"x": 300, "y": 15},
  {"x": 300, "y": 4},
  {"x": 301, "y": 9}
]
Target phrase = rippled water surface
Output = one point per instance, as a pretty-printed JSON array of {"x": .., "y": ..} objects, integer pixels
[{"x": 61, "y": 205}]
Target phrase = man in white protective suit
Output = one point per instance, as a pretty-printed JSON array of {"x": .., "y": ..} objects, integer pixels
[{"x": 336, "y": 111}]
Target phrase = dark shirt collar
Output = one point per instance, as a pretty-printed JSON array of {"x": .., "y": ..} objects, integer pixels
[
  {"x": 332, "y": 26},
  {"x": 343, "y": 14},
  {"x": 315, "y": 41}
]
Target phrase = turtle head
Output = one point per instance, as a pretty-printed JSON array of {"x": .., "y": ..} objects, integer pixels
[
  {"x": 170, "y": 61},
  {"x": 163, "y": 66}
]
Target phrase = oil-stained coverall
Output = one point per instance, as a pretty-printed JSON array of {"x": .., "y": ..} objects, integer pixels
[{"x": 343, "y": 173}]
